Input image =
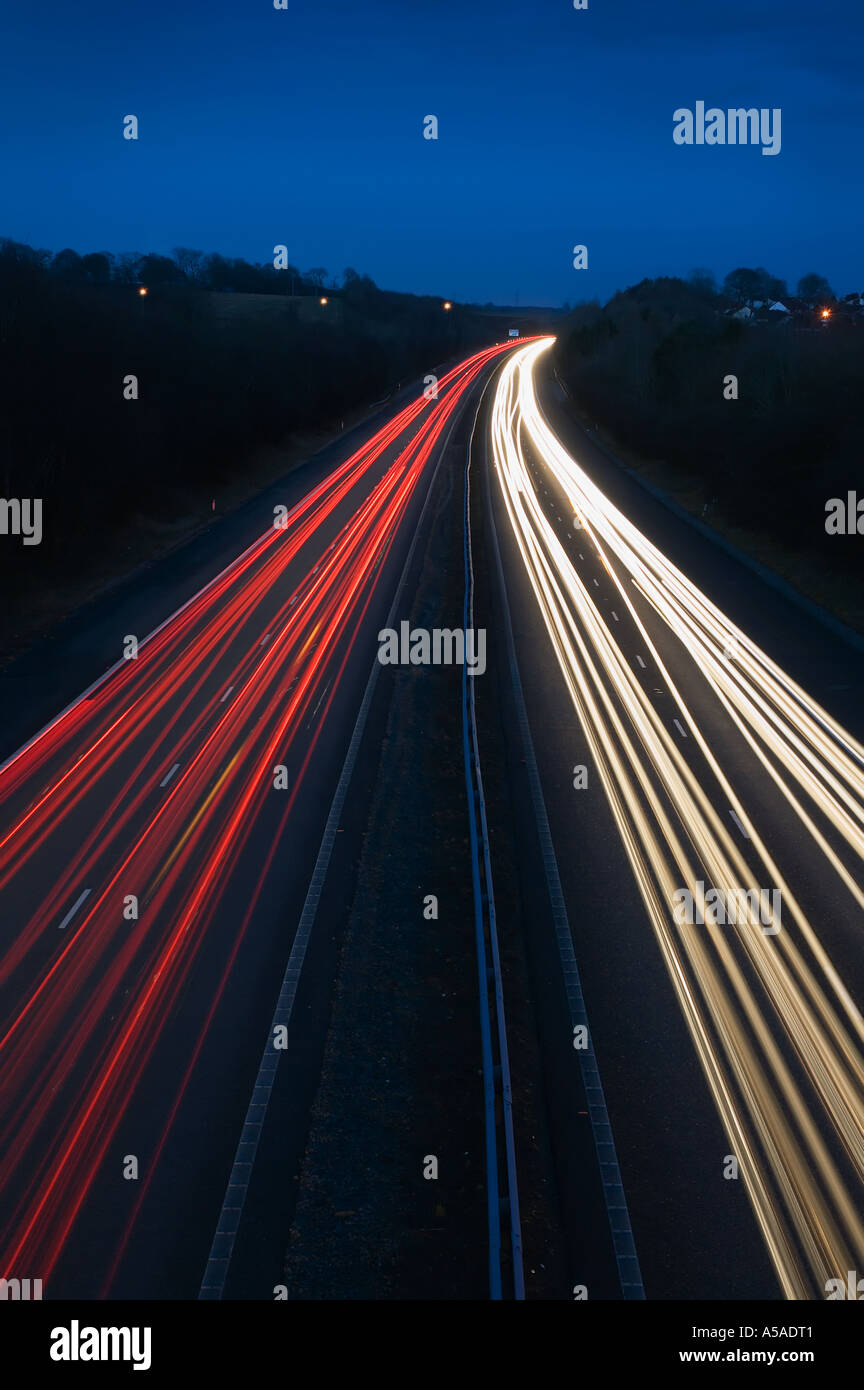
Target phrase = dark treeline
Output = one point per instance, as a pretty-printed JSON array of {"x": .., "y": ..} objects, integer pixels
[
  {"x": 184, "y": 267},
  {"x": 218, "y": 378},
  {"x": 650, "y": 366}
]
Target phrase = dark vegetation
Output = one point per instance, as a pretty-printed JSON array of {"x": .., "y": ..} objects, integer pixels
[
  {"x": 214, "y": 386},
  {"x": 650, "y": 367}
]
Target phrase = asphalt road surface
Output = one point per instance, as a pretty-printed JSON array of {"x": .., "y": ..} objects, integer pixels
[
  {"x": 697, "y": 739},
  {"x": 729, "y": 1048},
  {"x": 157, "y": 842}
]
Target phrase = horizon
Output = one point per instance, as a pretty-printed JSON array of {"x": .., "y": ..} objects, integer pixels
[
  {"x": 564, "y": 306},
  {"x": 255, "y": 131}
]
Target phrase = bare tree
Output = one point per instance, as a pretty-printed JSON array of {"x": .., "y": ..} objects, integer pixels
[{"x": 190, "y": 262}]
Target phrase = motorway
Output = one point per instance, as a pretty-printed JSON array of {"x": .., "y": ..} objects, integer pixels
[
  {"x": 718, "y": 776},
  {"x": 159, "y": 836},
  {"x": 157, "y": 840}
]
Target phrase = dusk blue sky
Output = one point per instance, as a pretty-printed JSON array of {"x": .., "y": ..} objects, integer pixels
[{"x": 304, "y": 126}]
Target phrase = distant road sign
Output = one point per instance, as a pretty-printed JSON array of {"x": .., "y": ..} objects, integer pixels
[{"x": 513, "y": 333}]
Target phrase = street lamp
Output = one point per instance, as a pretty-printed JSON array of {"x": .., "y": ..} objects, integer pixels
[
  {"x": 447, "y": 304},
  {"x": 143, "y": 290},
  {"x": 323, "y": 299}
]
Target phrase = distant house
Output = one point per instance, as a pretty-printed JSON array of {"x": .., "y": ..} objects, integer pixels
[
  {"x": 747, "y": 312},
  {"x": 800, "y": 312},
  {"x": 851, "y": 308},
  {"x": 799, "y": 307}
]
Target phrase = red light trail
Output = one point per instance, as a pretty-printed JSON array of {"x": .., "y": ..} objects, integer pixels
[{"x": 150, "y": 785}]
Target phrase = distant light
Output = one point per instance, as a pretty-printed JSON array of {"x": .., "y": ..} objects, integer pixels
[
  {"x": 826, "y": 313},
  {"x": 447, "y": 304},
  {"x": 143, "y": 290},
  {"x": 323, "y": 299}
]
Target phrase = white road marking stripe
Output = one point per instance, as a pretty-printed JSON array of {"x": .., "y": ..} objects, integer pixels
[
  {"x": 265, "y": 638},
  {"x": 71, "y": 913},
  {"x": 641, "y": 662},
  {"x": 739, "y": 825},
  {"x": 615, "y": 615},
  {"x": 227, "y": 693},
  {"x": 679, "y": 726},
  {"x": 320, "y": 698},
  {"x": 167, "y": 779},
  {"x": 597, "y": 583}
]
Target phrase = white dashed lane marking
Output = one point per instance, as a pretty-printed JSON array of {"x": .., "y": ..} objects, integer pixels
[
  {"x": 320, "y": 698},
  {"x": 168, "y": 777},
  {"x": 739, "y": 825},
  {"x": 73, "y": 909},
  {"x": 680, "y": 727},
  {"x": 641, "y": 662}
]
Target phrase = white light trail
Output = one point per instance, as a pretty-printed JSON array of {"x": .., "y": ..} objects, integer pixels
[{"x": 775, "y": 1028}]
